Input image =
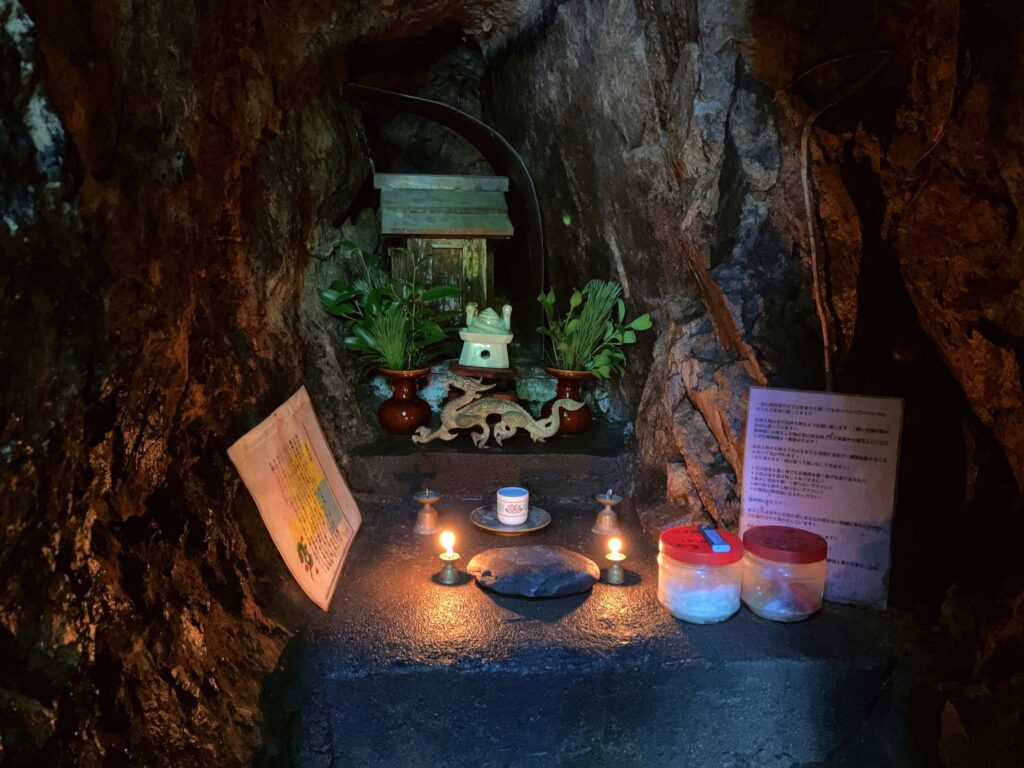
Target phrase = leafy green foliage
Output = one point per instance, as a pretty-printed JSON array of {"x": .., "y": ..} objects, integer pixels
[
  {"x": 590, "y": 336},
  {"x": 390, "y": 322}
]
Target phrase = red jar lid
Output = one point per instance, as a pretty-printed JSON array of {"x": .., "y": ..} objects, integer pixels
[
  {"x": 687, "y": 544},
  {"x": 784, "y": 544}
]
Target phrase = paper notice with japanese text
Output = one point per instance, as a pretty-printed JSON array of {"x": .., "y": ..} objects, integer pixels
[
  {"x": 827, "y": 463},
  {"x": 303, "y": 499}
]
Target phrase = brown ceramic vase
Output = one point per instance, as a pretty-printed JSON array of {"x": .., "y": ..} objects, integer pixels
[
  {"x": 570, "y": 385},
  {"x": 405, "y": 411}
]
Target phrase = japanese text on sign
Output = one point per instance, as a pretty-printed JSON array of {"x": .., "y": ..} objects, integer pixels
[
  {"x": 302, "y": 497},
  {"x": 827, "y": 463}
]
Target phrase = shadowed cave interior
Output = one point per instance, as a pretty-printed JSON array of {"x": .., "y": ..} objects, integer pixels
[{"x": 178, "y": 181}]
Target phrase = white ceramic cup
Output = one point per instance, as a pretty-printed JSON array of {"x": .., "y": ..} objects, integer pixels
[{"x": 513, "y": 505}]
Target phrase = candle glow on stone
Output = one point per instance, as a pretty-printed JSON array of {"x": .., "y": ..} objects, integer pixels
[{"x": 614, "y": 547}]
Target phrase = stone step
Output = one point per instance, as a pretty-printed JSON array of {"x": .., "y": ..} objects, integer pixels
[
  {"x": 562, "y": 467},
  {"x": 406, "y": 672},
  {"x": 759, "y": 714}
]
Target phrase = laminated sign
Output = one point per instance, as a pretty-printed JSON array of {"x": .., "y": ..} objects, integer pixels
[
  {"x": 302, "y": 497},
  {"x": 827, "y": 463}
]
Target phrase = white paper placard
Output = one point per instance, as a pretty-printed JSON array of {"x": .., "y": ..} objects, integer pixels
[
  {"x": 827, "y": 463},
  {"x": 303, "y": 499}
]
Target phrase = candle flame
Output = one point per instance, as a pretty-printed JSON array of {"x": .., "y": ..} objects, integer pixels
[
  {"x": 614, "y": 545},
  {"x": 448, "y": 542}
]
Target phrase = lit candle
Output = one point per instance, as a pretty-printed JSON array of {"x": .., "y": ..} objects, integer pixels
[
  {"x": 449, "y": 575},
  {"x": 448, "y": 542},
  {"x": 614, "y": 547},
  {"x": 616, "y": 574}
]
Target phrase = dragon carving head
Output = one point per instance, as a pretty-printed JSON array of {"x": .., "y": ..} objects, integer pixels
[{"x": 466, "y": 385}]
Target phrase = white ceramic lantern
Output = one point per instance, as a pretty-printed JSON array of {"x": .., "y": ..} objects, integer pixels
[{"x": 486, "y": 337}]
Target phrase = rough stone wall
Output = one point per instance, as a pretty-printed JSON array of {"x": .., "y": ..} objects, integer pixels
[
  {"x": 173, "y": 187},
  {"x": 166, "y": 184},
  {"x": 404, "y": 143},
  {"x": 660, "y": 164},
  {"x": 173, "y": 183},
  {"x": 670, "y": 157}
]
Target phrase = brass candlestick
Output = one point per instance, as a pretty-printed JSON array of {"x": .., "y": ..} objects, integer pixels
[
  {"x": 607, "y": 523},
  {"x": 426, "y": 518},
  {"x": 616, "y": 573},
  {"x": 449, "y": 575}
]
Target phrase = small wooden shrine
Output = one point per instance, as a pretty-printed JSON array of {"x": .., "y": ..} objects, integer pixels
[{"x": 449, "y": 219}]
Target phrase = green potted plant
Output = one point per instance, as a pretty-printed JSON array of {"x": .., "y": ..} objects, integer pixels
[
  {"x": 586, "y": 342},
  {"x": 396, "y": 326}
]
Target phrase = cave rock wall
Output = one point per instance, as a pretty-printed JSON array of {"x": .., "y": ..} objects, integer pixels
[
  {"x": 682, "y": 148},
  {"x": 162, "y": 205},
  {"x": 174, "y": 184},
  {"x": 670, "y": 158},
  {"x": 661, "y": 160}
]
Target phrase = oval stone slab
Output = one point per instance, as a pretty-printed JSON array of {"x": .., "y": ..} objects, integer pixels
[{"x": 534, "y": 571}]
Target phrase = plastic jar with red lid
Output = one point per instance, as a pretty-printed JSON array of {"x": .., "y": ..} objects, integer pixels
[
  {"x": 699, "y": 573},
  {"x": 784, "y": 572}
]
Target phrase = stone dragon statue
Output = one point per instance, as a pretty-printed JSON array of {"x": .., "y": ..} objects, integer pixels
[{"x": 471, "y": 410}]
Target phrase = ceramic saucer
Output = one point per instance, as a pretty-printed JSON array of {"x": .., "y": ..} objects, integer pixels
[{"x": 486, "y": 517}]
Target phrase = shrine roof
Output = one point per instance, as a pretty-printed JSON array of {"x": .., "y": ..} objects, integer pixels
[{"x": 443, "y": 206}]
